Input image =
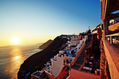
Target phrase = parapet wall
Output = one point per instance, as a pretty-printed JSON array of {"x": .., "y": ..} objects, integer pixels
[{"x": 112, "y": 56}]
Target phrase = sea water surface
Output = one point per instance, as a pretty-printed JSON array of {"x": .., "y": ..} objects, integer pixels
[{"x": 12, "y": 57}]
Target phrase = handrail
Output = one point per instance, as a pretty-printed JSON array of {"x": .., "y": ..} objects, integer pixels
[{"x": 115, "y": 34}]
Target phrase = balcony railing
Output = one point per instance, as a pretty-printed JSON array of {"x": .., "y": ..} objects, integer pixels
[{"x": 113, "y": 39}]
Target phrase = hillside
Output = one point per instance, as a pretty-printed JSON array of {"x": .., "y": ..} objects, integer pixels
[
  {"x": 37, "y": 61},
  {"x": 46, "y": 44}
]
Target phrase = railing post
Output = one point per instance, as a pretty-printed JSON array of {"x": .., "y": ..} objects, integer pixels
[{"x": 111, "y": 40}]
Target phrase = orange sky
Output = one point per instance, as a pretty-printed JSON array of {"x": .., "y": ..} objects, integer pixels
[{"x": 24, "y": 41}]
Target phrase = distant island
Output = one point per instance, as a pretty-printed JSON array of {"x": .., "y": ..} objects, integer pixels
[{"x": 46, "y": 44}]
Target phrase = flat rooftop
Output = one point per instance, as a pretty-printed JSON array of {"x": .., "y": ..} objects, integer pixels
[{"x": 75, "y": 74}]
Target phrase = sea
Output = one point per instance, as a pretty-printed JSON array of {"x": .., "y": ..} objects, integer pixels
[{"x": 11, "y": 58}]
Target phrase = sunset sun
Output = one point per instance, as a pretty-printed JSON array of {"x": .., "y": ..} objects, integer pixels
[{"x": 15, "y": 41}]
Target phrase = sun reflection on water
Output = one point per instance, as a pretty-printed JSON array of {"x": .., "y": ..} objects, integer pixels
[{"x": 16, "y": 59}]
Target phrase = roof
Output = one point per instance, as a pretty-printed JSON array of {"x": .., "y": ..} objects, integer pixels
[{"x": 75, "y": 74}]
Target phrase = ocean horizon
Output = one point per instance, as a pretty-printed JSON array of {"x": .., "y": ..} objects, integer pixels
[{"x": 11, "y": 58}]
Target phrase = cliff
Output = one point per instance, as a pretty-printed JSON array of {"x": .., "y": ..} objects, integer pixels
[
  {"x": 37, "y": 61},
  {"x": 46, "y": 44}
]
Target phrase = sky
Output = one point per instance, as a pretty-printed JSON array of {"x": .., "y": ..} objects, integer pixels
[{"x": 36, "y": 21}]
